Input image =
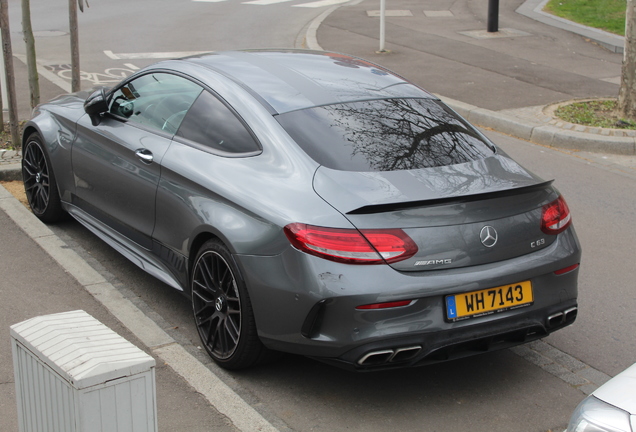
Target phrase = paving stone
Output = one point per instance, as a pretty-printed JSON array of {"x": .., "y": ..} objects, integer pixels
[
  {"x": 588, "y": 388},
  {"x": 568, "y": 361},
  {"x": 567, "y": 376},
  {"x": 594, "y": 376},
  {"x": 538, "y": 359},
  {"x": 539, "y": 346},
  {"x": 521, "y": 350}
]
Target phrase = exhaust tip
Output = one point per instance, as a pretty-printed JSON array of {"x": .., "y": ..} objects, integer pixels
[
  {"x": 570, "y": 314},
  {"x": 375, "y": 358},
  {"x": 556, "y": 319},
  {"x": 404, "y": 354}
]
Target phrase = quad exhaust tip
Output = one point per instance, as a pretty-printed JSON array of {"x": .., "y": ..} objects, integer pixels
[{"x": 379, "y": 357}]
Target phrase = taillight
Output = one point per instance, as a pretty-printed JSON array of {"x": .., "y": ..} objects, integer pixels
[
  {"x": 350, "y": 245},
  {"x": 556, "y": 217}
]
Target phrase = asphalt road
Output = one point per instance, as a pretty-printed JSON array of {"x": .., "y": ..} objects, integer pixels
[
  {"x": 603, "y": 203},
  {"x": 498, "y": 391}
]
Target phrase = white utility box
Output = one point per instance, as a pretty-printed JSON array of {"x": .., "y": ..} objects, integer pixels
[{"x": 74, "y": 374}]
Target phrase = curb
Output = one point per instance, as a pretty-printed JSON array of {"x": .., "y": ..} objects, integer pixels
[
  {"x": 11, "y": 172},
  {"x": 546, "y": 135}
]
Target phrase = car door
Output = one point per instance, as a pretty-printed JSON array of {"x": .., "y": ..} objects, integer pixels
[{"x": 117, "y": 164}]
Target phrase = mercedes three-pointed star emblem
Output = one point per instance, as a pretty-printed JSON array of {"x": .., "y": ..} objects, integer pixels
[{"x": 488, "y": 236}]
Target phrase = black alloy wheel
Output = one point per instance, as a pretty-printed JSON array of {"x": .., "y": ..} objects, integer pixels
[
  {"x": 222, "y": 310},
  {"x": 39, "y": 181}
]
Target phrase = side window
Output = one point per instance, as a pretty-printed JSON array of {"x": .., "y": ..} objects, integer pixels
[
  {"x": 156, "y": 100},
  {"x": 211, "y": 123}
]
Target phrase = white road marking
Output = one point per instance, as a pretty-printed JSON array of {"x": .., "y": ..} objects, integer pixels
[
  {"x": 321, "y": 3},
  {"x": 391, "y": 13},
  {"x": 265, "y": 2},
  {"x": 438, "y": 14},
  {"x": 209, "y": 1},
  {"x": 615, "y": 80},
  {"x": 131, "y": 66},
  {"x": 54, "y": 78},
  {"x": 152, "y": 55}
]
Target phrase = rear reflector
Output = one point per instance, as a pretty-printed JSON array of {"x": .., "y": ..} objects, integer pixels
[
  {"x": 350, "y": 245},
  {"x": 556, "y": 217},
  {"x": 566, "y": 270},
  {"x": 386, "y": 305}
]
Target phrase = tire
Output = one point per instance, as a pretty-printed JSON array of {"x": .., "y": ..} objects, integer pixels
[
  {"x": 222, "y": 310},
  {"x": 39, "y": 181}
]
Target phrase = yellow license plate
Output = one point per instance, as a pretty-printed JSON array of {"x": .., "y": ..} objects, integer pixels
[{"x": 488, "y": 301}]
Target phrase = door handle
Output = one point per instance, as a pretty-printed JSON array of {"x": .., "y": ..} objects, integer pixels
[{"x": 145, "y": 155}]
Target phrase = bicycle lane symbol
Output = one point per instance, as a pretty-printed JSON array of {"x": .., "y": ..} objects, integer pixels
[{"x": 109, "y": 76}]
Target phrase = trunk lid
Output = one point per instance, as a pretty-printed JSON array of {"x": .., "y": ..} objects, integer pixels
[{"x": 460, "y": 215}]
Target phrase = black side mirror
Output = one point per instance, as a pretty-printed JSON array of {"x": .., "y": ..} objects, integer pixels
[{"x": 96, "y": 105}]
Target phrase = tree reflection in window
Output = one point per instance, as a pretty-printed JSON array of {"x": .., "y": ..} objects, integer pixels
[{"x": 385, "y": 135}]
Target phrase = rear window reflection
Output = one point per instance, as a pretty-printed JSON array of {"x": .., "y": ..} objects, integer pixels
[{"x": 385, "y": 135}]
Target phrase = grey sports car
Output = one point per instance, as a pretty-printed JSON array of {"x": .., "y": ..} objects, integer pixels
[{"x": 311, "y": 203}]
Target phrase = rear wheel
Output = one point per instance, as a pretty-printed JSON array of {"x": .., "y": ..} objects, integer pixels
[
  {"x": 222, "y": 310},
  {"x": 39, "y": 181}
]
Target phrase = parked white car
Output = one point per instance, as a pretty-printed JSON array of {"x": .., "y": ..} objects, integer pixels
[{"x": 611, "y": 408}]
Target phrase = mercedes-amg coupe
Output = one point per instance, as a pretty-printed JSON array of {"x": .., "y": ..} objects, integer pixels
[{"x": 312, "y": 203}]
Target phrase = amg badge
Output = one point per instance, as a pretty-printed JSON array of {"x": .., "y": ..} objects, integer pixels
[{"x": 433, "y": 262}]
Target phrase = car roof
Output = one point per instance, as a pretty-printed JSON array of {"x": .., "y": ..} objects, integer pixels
[{"x": 289, "y": 80}]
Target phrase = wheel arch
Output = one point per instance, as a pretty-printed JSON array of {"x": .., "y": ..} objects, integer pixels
[
  {"x": 198, "y": 241},
  {"x": 29, "y": 129}
]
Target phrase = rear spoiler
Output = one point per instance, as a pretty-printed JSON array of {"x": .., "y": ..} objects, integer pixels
[{"x": 384, "y": 208}]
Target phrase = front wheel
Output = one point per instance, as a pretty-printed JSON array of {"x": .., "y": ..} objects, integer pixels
[
  {"x": 39, "y": 181},
  {"x": 222, "y": 310}
]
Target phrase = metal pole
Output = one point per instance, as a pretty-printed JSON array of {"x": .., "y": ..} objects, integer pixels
[
  {"x": 382, "y": 14},
  {"x": 493, "y": 16}
]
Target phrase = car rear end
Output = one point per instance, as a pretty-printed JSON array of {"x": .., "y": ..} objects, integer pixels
[{"x": 453, "y": 249}]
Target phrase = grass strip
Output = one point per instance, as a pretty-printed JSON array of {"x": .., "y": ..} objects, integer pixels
[
  {"x": 608, "y": 15},
  {"x": 597, "y": 113}
]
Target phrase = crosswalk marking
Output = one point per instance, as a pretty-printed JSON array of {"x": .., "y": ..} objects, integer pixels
[{"x": 321, "y": 3}]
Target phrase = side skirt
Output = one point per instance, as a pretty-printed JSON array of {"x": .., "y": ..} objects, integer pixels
[{"x": 141, "y": 257}]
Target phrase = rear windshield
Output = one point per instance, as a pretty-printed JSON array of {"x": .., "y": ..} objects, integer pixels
[{"x": 385, "y": 135}]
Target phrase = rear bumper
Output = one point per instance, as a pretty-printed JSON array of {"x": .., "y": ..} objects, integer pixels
[
  {"x": 429, "y": 348},
  {"x": 306, "y": 305}
]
